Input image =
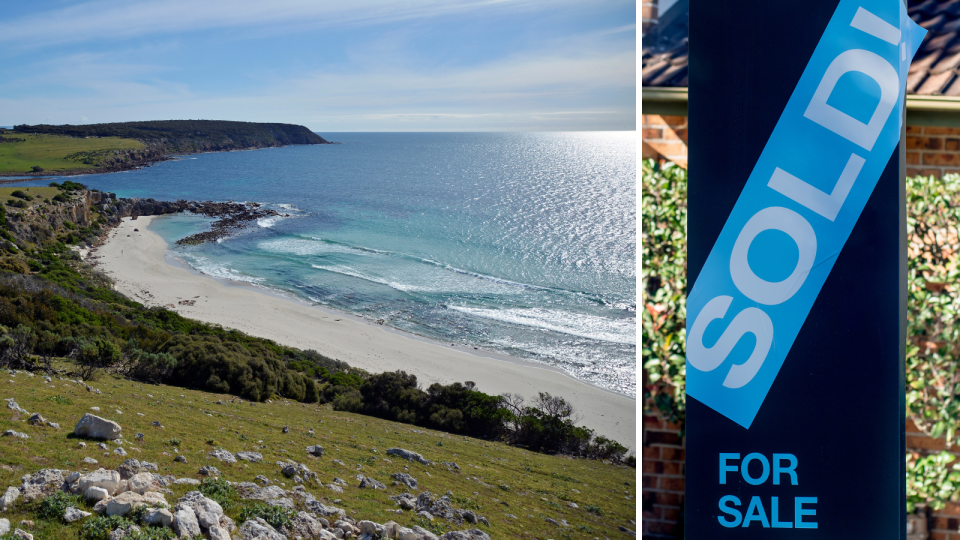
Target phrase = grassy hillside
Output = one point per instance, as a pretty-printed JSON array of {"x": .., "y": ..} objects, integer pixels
[
  {"x": 182, "y": 135},
  {"x": 20, "y": 152},
  {"x": 494, "y": 479}
]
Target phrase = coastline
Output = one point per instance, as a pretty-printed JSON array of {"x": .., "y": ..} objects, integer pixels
[{"x": 138, "y": 262}]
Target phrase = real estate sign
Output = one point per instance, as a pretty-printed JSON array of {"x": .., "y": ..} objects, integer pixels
[{"x": 796, "y": 228}]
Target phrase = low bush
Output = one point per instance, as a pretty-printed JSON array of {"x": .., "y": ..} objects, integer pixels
[
  {"x": 276, "y": 516},
  {"x": 53, "y": 506}
]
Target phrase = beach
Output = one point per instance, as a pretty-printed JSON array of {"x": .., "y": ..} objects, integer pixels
[{"x": 136, "y": 258}]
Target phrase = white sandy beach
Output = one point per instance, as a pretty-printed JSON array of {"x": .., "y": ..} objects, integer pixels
[{"x": 137, "y": 261}]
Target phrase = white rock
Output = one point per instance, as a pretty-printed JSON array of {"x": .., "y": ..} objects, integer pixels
[
  {"x": 73, "y": 514},
  {"x": 187, "y": 481},
  {"x": 158, "y": 517},
  {"x": 108, "y": 480},
  {"x": 217, "y": 532},
  {"x": 95, "y": 427},
  {"x": 94, "y": 493},
  {"x": 21, "y": 534},
  {"x": 4, "y": 525},
  {"x": 122, "y": 504},
  {"x": 9, "y": 497},
  {"x": 141, "y": 483},
  {"x": 258, "y": 529},
  {"x": 185, "y": 523},
  {"x": 119, "y": 451}
]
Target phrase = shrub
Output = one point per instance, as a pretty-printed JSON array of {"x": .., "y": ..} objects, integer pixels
[
  {"x": 220, "y": 491},
  {"x": 100, "y": 527},
  {"x": 276, "y": 516},
  {"x": 53, "y": 506},
  {"x": 20, "y": 194}
]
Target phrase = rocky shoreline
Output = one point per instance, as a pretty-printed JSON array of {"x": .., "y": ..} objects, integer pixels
[{"x": 231, "y": 216}]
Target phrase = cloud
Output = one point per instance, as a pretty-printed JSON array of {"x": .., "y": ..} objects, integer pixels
[{"x": 109, "y": 20}]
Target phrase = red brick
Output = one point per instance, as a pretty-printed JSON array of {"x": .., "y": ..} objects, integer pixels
[
  {"x": 946, "y": 524},
  {"x": 940, "y": 158},
  {"x": 951, "y": 144},
  {"x": 672, "y": 454},
  {"x": 671, "y": 484},
  {"x": 930, "y": 130},
  {"x": 925, "y": 443},
  {"x": 913, "y": 171},
  {"x": 669, "y": 513},
  {"x": 653, "y": 467},
  {"x": 939, "y": 536},
  {"x": 674, "y": 120},
  {"x": 648, "y": 12},
  {"x": 661, "y": 527},
  {"x": 653, "y": 120},
  {"x": 913, "y": 158},
  {"x": 911, "y": 428},
  {"x": 952, "y": 171},
  {"x": 652, "y": 133},
  {"x": 651, "y": 482},
  {"x": 661, "y": 437},
  {"x": 652, "y": 422},
  {"x": 669, "y": 499},
  {"x": 914, "y": 129},
  {"x": 671, "y": 148},
  {"x": 930, "y": 172},
  {"x": 651, "y": 452},
  {"x": 924, "y": 143},
  {"x": 679, "y": 134}
]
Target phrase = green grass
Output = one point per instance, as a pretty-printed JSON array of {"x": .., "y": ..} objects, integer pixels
[
  {"x": 51, "y": 151},
  {"x": 537, "y": 485}
]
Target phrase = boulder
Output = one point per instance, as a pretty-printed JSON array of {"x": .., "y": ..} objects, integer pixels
[
  {"x": 315, "y": 450},
  {"x": 253, "y": 457},
  {"x": 185, "y": 523},
  {"x": 130, "y": 531},
  {"x": 209, "y": 470},
  {"x": 158, "y": 517},
  {"x": 94, "y": 427},
  {"x": 368, "y": 527},
  {"x": 9, "y": 497},
  {"x": 471, "y": 534},
  {"x": 108, "y": 480},
  {"x": 15, "y": 434},
  {"x": 258, "y": 529},
  {"x": 142, "y": 483},
  {"x": 408, "y": 455},
  {"x": 101, "y": 506},
  {"x": 406, "y": 479},
  {"x": 187, "y": 481},
  {"x": 423, "y": 534},
  {"x": 94, "y": 493},
  {"x": 90, "y": 461},
  {"x": 303, "y": 525},
  {"x": 41, "y": 483},
  {"x": 129, "y": 468},
  {"x": 37, "y": 420},
  {"x": 72, "y": 514},
  {"x": 21, "y": 534},
  {"x": 123, "y": 503},
  {"x": 119, "y": 451},
  {"x": 4, "y": 525},
  {"x": 218, "y": 533},
  {"x": 223, "y": 455},
  {"x": 371, "y": 483}
]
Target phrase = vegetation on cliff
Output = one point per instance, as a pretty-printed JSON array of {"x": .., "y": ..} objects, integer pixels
[
  {"x": 120, "y": 146},
  {"x": 55, "y": 306}
]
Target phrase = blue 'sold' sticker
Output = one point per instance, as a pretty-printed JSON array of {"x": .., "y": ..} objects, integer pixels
[{"x": 798, "y": 207}]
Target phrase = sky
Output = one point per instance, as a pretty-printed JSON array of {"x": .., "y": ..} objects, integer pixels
[{"x": 333, "y": 66}]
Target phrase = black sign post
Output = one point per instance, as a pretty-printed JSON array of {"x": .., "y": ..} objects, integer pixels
[{"x": 822, "y": 455}]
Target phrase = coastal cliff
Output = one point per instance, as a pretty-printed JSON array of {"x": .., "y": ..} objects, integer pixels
[{"x": 159, "y": 140}]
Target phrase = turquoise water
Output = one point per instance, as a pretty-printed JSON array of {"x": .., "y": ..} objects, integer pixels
[{"x": 520, "y": 243}]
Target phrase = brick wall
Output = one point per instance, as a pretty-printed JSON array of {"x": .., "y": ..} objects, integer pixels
[
  {"x": 932, "y": 151},
  {"x": 663, "y": 480},
  {"x": 663, "y": 483},
  {"x": 665, "y": 137},
  {"x": 648, "y": 15}
]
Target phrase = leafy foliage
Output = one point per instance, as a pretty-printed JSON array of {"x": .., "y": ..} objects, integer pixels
[
  {"x": 933, "y": 303},
  {"x": 99, "y": 527},
  {"x": 664, "y": 314},
  {"x": 53, "y": 506},
  {"x": 276, "y": 516},
  {"x": 220, "y": 491}
]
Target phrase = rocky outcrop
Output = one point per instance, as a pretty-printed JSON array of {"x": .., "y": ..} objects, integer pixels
[{"x": 94, "y": 427}]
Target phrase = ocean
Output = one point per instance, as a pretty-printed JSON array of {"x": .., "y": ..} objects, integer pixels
[{"x": 519, "y": 243}]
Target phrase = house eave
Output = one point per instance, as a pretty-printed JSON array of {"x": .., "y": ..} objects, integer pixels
[{"x": 921, "y": 110}]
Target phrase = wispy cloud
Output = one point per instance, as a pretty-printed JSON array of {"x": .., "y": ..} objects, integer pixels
[{"x": 109, "y": 20}]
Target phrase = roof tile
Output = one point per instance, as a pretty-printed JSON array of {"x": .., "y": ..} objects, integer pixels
[{"x": 933, "y": 72}]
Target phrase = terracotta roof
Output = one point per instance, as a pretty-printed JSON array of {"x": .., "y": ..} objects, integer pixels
[{"x": 935, "y": 70}]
